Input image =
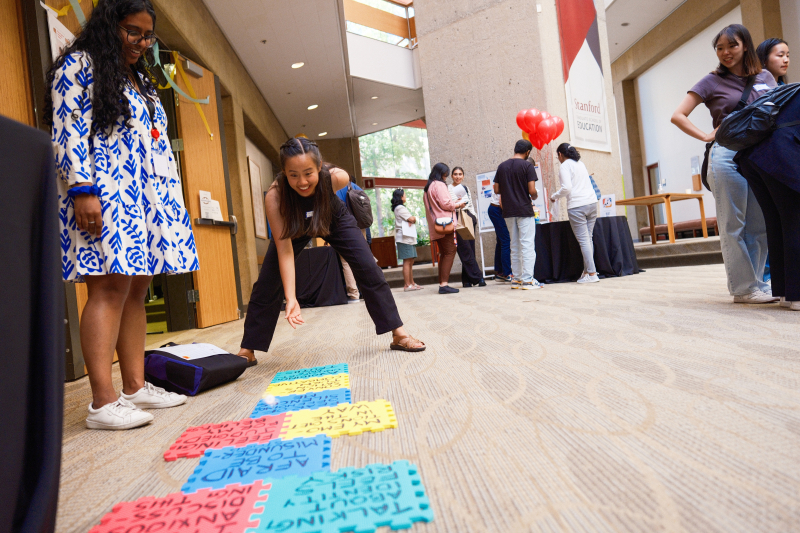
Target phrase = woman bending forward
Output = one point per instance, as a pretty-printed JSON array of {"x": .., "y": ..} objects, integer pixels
[{"x": 301, "y": 204}]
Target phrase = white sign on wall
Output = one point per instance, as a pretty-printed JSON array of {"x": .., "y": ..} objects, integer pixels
[{"x": 60, "y": 36}]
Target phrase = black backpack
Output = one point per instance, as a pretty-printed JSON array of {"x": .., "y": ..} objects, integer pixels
[
  {"x": 754, "y": 123},
  {"x": 359, "y": 204}
]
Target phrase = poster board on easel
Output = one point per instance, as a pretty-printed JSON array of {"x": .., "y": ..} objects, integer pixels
[
  {"x": 485, "y": 183},
  {"x": 259, "y": 216}
]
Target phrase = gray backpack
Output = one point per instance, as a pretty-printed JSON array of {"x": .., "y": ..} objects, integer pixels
[{"x": 359, "y": 204}]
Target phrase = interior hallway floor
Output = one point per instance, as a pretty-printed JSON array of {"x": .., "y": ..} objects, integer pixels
[{"x": 646, "y": 403}]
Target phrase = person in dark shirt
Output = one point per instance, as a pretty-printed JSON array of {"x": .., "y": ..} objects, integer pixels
[{"x": 515, "y": 182}]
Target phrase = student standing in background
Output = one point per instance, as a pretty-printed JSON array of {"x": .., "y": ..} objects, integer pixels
[
  {"x": 440, "y": 212},
  {"x": 774, "y": 56},
  {"x": 515, "y": 181},
  {"x": 406, "y": 244},
  {"x": 742, "y": 230},
  {"x": 471, "y": 273}
]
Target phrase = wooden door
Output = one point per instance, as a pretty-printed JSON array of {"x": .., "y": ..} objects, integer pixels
[
  {"x": 15, "y": 84},
  {"x": 202, "y": 170},
  {"x": 385, "y": 251}
]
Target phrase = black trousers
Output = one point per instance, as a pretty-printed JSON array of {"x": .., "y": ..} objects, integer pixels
[
  {"x": 264, "y": 308},
  {"x": 470, "y": 271},
  {"x": 781, "y": 207}
]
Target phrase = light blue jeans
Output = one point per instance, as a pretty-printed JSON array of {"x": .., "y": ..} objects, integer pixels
[
  {"x": 582, "y": 220},
  {"x": 523, "y": 246},
  {"x": 742, "y": 231}
]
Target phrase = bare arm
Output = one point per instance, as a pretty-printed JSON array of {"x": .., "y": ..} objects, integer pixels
[
  {"x": 412, "y": 220},
  {"x": 532, "y": 190},
  {"x": 681, "y": 118},
  {"x": 285, "y": 257},
  {"x": 339, "y": 178}
]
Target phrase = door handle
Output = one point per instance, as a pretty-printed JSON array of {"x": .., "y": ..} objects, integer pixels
[
  {"x": 233, "y": 224},
  {"x": 235, "y": 228}
]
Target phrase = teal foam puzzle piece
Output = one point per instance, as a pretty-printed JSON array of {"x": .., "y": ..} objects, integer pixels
[
  {"x": 298, "y": 402},
  {"x": 351, "y": 499},
  {"x": 306, "y": 373},
  {"x": 271, "y": 460}
]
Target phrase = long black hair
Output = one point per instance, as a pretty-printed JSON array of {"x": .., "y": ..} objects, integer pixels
[
  {"x": 750, "y": 63},
  {"x": 438, "y": 173},
  {"x": 101, "y": 41},
  {"x": 291, "y": 208},
  {"x": 568, "y": 151},
  {"x": 397, "y": 198},
  {"x": 765, "y": 48}
]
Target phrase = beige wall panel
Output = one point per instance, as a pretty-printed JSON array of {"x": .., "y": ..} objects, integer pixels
[
  {"x": 15, "y": 85},
  {"x": 343, "y": 153}
]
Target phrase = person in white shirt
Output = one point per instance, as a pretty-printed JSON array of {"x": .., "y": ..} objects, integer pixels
[
  {"x": 471, "y": 273},
  {"x": 581, "y": 205},
  {"x": 406, "y": 244}
]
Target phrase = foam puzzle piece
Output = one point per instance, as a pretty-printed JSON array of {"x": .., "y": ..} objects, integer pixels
[
  {"x": 272, "y": 460},
  {"x": 228, "y": 509},
  {"x": 344, "y": 419},
  {"x": 196, "y": 440},
  {"x": 302, "y": 386},
  {"x": 305, "y": 373},
  {"x": 297, "y": 402},
  {"x": 350, "y": 499}
]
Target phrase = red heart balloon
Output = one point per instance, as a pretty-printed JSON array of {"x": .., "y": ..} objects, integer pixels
[
  {"x": 521, "y": 119},
  {"x": 532, "y": 118},
  {"x": 546, "y": 130},
  {"x": 559, "y": 126}
]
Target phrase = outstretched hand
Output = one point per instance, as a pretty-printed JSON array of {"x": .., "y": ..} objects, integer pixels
[{"x": 293, "y": 313}]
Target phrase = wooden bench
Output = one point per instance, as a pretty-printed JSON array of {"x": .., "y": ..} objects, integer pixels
[{"x": 683, "y": 230}]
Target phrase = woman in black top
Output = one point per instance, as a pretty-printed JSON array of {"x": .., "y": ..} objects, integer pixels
[{"x": 301, "y": 204}]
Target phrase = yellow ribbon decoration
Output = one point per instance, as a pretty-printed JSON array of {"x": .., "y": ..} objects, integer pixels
[
  {"x": 171, "y": 73},
  {"x": 64, "y": 10},
  {"x": 191, "y": 92}
]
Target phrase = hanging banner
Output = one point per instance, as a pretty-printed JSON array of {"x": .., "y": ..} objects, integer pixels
[{"x": 583, "y": 74}]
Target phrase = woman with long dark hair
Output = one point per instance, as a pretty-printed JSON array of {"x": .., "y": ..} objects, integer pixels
[
  {"x": 121, "y": 206},
  {"x": 576, "y": 185},
  {"x": 440, "y": 212},
  {"x": 406, "y": 244},
  {"x": 774, "y": 56},
  {"x": 471, "y": 273},
  {"x": 740, "y": 220},
  {"x": 301, "y": 204}
]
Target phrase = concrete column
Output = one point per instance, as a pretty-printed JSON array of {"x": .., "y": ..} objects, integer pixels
[
  {"x": 633, "y": 145},
  {"x": 344, "y": 153},
  {"x": 240, "y": 194},
  {"x": 481, "y": 62},
  {"x": 762, "y": 18}
]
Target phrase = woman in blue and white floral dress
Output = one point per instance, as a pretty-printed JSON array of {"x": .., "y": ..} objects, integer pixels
[{"x": 123, "y": 219}]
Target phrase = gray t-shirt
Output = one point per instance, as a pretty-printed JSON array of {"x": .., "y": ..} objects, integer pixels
[{"x": 722, "y": 93}]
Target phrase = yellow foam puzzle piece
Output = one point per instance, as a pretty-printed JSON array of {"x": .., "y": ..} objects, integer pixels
[
  {"x": 315, "y": 384},
  {"x": 344, "y": 419}
]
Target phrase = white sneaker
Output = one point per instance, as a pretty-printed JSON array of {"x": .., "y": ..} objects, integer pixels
[
  {"x": 589, "y": 279},
  {"x": 756, "y": 297},
  {"x": 784, "y": 303},
  {"x": 794, "y": 306},
  {"x": 152, "y": 397},
  {"x": 121, "y": 414}
]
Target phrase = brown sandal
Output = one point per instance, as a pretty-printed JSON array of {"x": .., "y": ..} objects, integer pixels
[
  {"x": 404, "y": 344},
  {"x": 250, "y": 363}
]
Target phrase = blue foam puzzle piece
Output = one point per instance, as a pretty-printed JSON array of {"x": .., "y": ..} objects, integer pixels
[
  {"x": 272, "y": 460},
  {"x": 298, "y": 402},
  {"x": 305, "y": 373},
  {"x": 350, "y": 499}
]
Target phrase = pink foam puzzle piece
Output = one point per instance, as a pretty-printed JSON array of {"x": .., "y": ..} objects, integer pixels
[
  {"x": 205, "y": 511},
  {"x": 196, "y": 440}
]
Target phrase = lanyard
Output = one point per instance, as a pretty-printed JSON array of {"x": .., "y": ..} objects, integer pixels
[{"x": 151, "y": 108}]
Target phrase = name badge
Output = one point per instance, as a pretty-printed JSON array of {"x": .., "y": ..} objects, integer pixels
[
  {"x": 761, "y": 87},
  {"x": 309, "y": 214},
  {"x": 161, "y": 165}
]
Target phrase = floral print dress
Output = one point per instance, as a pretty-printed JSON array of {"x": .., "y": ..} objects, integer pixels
[{"x": 146, "y": 228}]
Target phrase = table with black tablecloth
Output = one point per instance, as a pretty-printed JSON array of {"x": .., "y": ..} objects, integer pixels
[
  {"x": 559, "y": 258},
  {"x": 318, "y": 278}
]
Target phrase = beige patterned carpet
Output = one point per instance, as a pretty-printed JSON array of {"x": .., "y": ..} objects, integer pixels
[{"x": 647, "y": 403}]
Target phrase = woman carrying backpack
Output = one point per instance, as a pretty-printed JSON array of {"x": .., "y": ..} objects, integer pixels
[
  {"x": 738, "y": 80},
  {"x": 300, "y": 205}
]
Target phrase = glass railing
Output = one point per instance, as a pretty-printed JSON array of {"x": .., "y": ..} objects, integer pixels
[{"x": 382, "y": 20}]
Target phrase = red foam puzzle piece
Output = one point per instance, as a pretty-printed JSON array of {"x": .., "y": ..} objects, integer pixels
[
  {"x": 195, "y": 441},
  {"x": 205, "y": 511}
]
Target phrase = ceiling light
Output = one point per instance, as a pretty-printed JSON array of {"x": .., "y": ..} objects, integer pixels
[
  {"x": 298, "y": 65},
  {"x": 374, "y": 97},
  {"x": 374, "y": 123},
  {"x": 312, "y": 107},
  {"x": 323, "y": 134}
]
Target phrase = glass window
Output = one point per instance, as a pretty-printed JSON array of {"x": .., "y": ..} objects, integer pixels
[
  {"x": 399, "y": 152},
  {"x": 383, "y": 217},
  {"x": 378, "y": 35},
  {"x": 383, "y": 5}
]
